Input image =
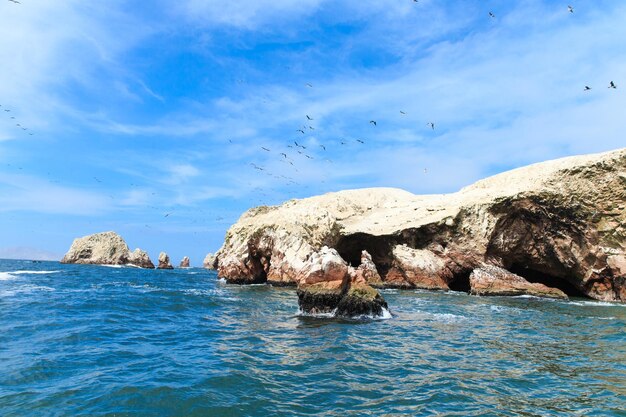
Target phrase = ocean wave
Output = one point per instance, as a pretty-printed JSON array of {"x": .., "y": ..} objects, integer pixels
[
  {"x": 34, "y": 272},
  {"x": 6, "y": 276},
  {"x": 594, "y": 303},
  {"x": 26, "y": 289}
]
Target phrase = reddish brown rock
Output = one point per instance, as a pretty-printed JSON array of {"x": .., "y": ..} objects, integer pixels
[
  {"x": 327, "y": 285},
  {"x": 185, "y": 263},
  {"x": 367, "y": 273},
  {"x": 164, "y": 261},
  {"x": 493, "y": 280}
]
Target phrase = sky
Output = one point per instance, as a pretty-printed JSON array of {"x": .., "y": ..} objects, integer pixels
[{"x": 151, "y": 118}]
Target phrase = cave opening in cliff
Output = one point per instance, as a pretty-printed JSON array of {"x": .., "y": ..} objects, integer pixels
[
  {"x": 260, "y": 273},
  {"x": 461, "y": 281},
  {"x": 534, "y": 276},
  {"x": 379, "y": 248}
]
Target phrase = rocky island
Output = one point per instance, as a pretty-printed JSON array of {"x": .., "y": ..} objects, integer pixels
[
  {"x": 107, "y": 248},
  {"x": 551, "y": 229}
]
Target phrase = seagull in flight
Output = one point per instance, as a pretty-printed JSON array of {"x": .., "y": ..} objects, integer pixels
[
  {"x": 284, "y": 154},
  {"x": 264, "y": 148},
  {"x": 323, "y": 147},
  {"x": 401, "y": 112},
  {"x": 570, "y": 9},
  {"x": 587, "y": 88},
  {"x": 431, "y": 124},
  {"x": 612, "y": 85},
  {"x": 15, "y": 1},
  {"x": 300, "y": 130},
  {"x": 491, "y": 15},
  {"x": 308, "y": 117},
  {"x": 373, "y": 122},
  {"x": 360, "y": 141}
]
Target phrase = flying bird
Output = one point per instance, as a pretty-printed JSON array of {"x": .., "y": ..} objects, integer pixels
[
  {"x": 15, "y": 1},
  {"x": 323, "y": 147},
  {"x": 284, "y": 154},
  {"x": 491, "y": 15},
  {"x": 309, "y": 85},
  {"x": 587, "y": 88},
  {"x": 264, "y": 148},
  {"x": 570, "y": 9},
  {"x": 360, "y": 141},
  {"x": 167, "y": 214},
  {"x": 401, "y": 112},
  {"x": 308, "y": 117},
  {"x": 431, "y": 124},
  {"x": 373, "y": 122},
  {"x": 612, "y": 85},
  {"x": 300, "y": 130}
]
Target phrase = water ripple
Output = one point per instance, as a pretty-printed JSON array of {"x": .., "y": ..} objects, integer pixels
[{"x": 82, "y": 340}]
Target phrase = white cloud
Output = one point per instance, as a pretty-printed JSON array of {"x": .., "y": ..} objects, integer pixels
[{"x": 30, "y": 194}]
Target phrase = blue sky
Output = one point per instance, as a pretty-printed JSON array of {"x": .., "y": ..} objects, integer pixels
[{"x": 149, "y": 118}]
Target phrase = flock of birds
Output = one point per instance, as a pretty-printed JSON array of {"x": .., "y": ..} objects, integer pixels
[
  {"x": 297, "y": 151},
  {"x": 7, "y": 112}
]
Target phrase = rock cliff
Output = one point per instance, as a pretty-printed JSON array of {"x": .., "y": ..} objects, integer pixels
[
  {"x": 560, "y": 224},
  {"x": 107, "y": 248},
  {"x": 209, "y": 261},
  {"x": 185, "y": 262}
]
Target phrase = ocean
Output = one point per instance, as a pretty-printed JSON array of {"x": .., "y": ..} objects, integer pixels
[{"x": 81, "y": 340}]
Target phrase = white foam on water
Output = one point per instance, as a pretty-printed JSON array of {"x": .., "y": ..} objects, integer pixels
[
  {"x": 5, "y": 276},
  {"x": 595, "y": 303},
  {"x": 329, "y": 315},
  {"x": 34, "y": 272},
  {"x": 25, "y": 289},
  {"x": 112, "y": 266}
]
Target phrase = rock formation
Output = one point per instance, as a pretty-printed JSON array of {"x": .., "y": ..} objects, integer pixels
[
  {"x": 560, "y": 223},
  {"x": 209, "y": 261},
  {"x": 185, "y": 263},
  {"x": 493, "y": 280},
  {"x": 326, "y": 284},
  {"x": 107, "y": 248},
  {"x": 164, "y": 261}
]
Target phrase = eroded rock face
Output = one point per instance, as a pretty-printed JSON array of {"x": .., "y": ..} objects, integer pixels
[
  {"x": 164, "y": 261},
  {"x": 493, "y": 280},
  {"x": 210, "y": 261},
  {"x": 185, "y": 263},
  {"x": 560, "y": 223},
  {"x": 327, "y": 285},
  {"x": 107, "y": 248}
]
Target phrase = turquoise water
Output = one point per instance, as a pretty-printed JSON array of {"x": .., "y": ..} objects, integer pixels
[{"x": 99, "y": 341}]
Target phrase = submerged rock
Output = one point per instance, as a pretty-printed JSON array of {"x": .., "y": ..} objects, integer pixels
[
  {"x": 327, "y": 285},
  {"x": 164, "y": 261},
  {"x": 106, "y": 248},
  {"x": 492, "y": 280},
  {"x": 559, "y": 223},
  {"x": 185, "y": 262}
]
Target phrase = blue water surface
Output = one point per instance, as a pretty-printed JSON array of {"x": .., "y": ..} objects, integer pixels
[{"x": 80, "y": 340}]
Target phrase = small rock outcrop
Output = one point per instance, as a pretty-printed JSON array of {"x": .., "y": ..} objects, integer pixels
[
  {"x": 164, "y": 261},
  {"x": 327, "y": 285},
  {"x": 107, "y": 248},
  {"x": 185, "y": 263},
  {"x": 560, "y": 223},
  {"x": 210, "y": 261},
  {"x": 493, "y": 280}
]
